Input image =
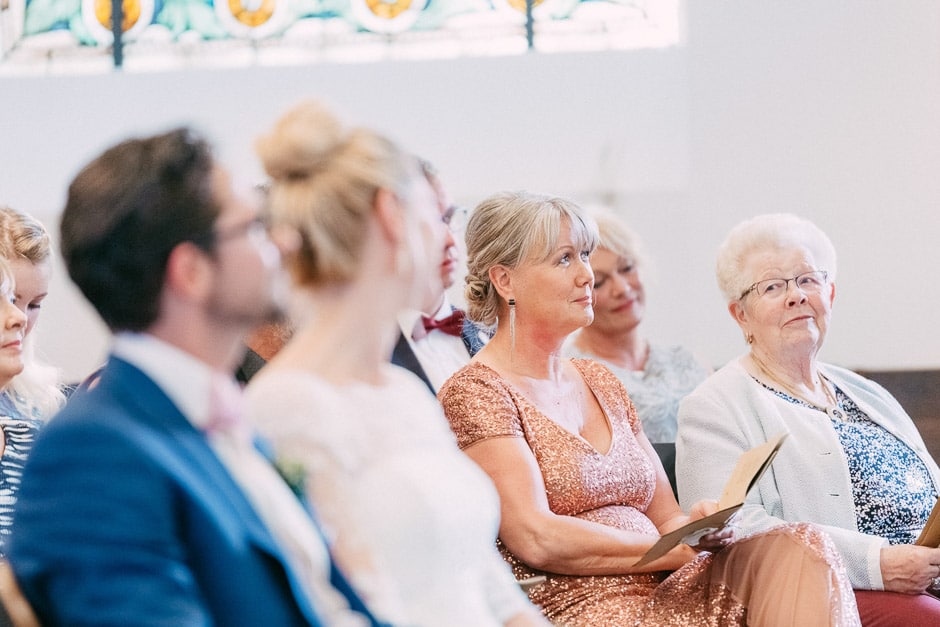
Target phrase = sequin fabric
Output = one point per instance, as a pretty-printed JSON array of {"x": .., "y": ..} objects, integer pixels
[
  {"x": 615, "y": 488},
  {"x": 891, "y": 486}
]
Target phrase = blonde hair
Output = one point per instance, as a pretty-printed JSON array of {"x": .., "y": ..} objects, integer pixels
[
  {"x": 510, "y": 228},
  {"x": 7, "y": 280},
  {"x": 324, "y": 180},
  {"x": 617, "y": 237},
  {"x": 36, "y": 391},
  {"x": 768, "y": 231},
  {"x": 23, "y": 237}
]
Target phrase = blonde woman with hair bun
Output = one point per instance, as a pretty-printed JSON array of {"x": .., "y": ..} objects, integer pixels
[{"x": 412, "y": 521}]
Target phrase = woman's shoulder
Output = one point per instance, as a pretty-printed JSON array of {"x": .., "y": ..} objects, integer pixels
[
  {"x": 8, "y": 408},
  {"x": 479, "y": 404},
  {"x": 474, "y": 375},
  {"x": 726, "y": 380},
  {"x": 846, "y": 376},
  {"x": 852, "y": 382},
  {"x": 474, "y": 385}
]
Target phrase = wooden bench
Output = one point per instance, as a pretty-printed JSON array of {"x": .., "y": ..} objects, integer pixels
[{"x": 918, "y": 391}]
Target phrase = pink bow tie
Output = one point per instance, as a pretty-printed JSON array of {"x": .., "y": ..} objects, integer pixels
[{"x": 226, "y": 409}]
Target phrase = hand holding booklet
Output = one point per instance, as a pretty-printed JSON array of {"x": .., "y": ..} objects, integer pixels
[
  {"x": 747, "y": 472},
  {"x": 930, "y": 534}
]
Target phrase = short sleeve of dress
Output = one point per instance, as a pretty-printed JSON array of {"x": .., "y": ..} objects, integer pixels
[
  {"x": 479, "y": 405},
  {"x": 610, "y": 392}
]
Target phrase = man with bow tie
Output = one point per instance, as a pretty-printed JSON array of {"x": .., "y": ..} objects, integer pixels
[
  {"x": 147, "y": 501},
  {"x": 435, "y": 345}
]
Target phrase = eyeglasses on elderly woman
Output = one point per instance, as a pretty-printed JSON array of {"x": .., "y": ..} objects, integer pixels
[{"x": 809, "y": 282}]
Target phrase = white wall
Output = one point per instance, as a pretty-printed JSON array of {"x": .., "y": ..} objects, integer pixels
[{"x": 826, "y": 109}]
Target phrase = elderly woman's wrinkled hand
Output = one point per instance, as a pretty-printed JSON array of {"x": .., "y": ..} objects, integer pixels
[
  {"x": 715, "y": 540},
  {"x": 910, "y": 569},
  {"x": 709, "y": 540}
]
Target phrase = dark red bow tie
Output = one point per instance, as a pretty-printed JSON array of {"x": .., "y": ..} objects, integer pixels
[{"x": 452, "y": 324}]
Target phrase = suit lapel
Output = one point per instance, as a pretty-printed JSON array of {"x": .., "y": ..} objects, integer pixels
[
  {"x": 405, "y": 357},
  {"x": 159, "y": 424}
]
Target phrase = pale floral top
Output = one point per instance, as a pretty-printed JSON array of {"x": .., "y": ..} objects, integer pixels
[{"x": 671, "y": 372}]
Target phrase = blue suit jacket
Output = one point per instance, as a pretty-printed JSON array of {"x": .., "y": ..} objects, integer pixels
[{"x": 125, "y": 516}]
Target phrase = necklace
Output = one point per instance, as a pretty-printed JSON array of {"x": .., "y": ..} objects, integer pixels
[{"x": 834, "y": 410}]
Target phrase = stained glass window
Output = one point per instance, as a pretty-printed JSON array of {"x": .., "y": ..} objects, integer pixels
[{"x": 62, "y": 36}]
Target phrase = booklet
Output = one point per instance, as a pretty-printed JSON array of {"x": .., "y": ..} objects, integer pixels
[
  {"x": 930, "y": 535},
  {"x": 747, "y": 472}
]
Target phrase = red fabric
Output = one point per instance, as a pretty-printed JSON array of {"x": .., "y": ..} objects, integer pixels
[
  {"x": 452, "y": 324},
  {"x": 878, "y": 608}
]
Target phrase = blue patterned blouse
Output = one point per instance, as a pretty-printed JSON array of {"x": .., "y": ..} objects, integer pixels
[
  {"x": 19, "y": 431},
  {"x": 891, "y": 486}
]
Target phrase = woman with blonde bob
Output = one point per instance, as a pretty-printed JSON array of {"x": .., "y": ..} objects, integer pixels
[
  {"x": 583, "y": 494},
  {"x": 33, "y": 395},
  {"x": 657, "y": 375},
  {"x": 853, "y": 463},
  {"x": 25, "y": 244},
  {"x": 412, "y": 521}
]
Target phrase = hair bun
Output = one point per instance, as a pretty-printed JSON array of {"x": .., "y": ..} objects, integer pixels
[
  {"x": 476, "y": 289},
  {"x": 300, "y": 143}
]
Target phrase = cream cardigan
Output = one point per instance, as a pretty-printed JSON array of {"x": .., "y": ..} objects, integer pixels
[{"x": 809, "y": 479}]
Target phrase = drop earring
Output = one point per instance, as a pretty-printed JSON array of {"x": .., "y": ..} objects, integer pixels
[{"x": 512, "y": 325}]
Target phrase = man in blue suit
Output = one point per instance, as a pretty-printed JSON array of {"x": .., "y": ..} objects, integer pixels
[{"x": 137, "y": 506}]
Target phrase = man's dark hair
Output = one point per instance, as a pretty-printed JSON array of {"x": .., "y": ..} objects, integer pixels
[{"x": 126, "y": 211}]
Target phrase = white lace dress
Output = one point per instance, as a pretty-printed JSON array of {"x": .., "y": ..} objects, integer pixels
[{"x": 413, "y": 521}]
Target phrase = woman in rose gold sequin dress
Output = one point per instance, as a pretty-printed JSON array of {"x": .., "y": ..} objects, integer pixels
[{"x": 582, "y": 491}]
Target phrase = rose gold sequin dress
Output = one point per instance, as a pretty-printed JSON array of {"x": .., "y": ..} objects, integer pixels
[{"x": 790, "y": 575}]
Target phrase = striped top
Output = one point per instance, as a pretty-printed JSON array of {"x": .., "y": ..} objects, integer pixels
[{"x": 19, "y": 431}]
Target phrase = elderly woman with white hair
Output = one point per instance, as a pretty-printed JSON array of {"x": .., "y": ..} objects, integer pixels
[{"x": 854, "y": 462}]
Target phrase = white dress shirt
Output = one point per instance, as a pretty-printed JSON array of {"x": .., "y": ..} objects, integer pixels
[{"x": 440, "y": 354}]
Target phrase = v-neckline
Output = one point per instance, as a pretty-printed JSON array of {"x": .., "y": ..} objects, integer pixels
[{"x": 606, "y": 415}]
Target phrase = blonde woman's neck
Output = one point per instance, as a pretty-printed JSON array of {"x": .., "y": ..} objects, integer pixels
[
  {"x": 346, "y": 335},
  {"x": 529, "y": 356}
]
